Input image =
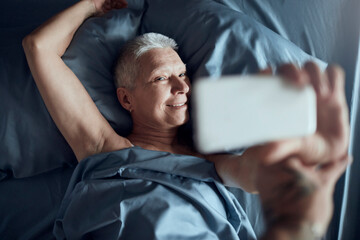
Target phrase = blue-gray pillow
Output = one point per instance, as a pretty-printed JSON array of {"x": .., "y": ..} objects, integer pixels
[{"x": 216, "y": 39}]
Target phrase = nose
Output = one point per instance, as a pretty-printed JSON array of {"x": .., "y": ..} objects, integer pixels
[{"x": 180, "y": 85}]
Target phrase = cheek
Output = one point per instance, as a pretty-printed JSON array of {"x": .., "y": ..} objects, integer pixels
[
  {"x": 153, "y": 101},
  {"x": 189, "y": 84},
  {"x": 159, "y": 95}
]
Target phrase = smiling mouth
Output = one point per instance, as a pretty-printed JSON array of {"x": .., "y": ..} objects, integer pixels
[{"x": 176, "y": 105}]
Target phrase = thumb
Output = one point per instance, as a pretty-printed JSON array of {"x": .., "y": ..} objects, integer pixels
[
  {"x": 332, "y": 171},
  {"x": 266, "y": 71}
]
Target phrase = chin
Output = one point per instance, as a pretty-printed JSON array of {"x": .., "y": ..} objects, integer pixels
[
  {"x": 178, "y": 120},
  {"x": 179, "y": 123},
  {"x": 186, "y": 119}
]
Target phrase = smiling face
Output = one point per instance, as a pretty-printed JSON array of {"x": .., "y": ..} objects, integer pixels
[{"x": 160, "y": 97}]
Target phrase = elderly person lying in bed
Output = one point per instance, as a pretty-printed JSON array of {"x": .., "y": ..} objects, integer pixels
[{"x": 295, "y": 178}]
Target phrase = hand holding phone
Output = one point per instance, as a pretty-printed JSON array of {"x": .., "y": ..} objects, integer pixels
[{"x": 240, "y": 111}]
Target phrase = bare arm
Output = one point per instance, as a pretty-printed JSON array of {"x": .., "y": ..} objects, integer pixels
[
  {"x": 67, "y": 101},
  {"x": 328, "y": 143},
  {"x": 236, "y": 170}
]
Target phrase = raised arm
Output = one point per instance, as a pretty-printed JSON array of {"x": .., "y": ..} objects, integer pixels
[
  {"x": 67, "y": 101},
  {"x": 329, "y": 142}
]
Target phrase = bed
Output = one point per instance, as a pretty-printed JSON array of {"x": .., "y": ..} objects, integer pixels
[{"x": 216, "y": 37}]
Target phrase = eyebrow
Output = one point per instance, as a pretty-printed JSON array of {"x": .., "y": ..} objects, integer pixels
[{"x": 166, "y": 68}]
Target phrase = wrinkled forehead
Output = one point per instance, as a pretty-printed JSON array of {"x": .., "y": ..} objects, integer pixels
[{"x": 160, "y": 59}]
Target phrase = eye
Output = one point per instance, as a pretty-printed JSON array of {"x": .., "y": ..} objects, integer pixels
[
  {"x": 160, "y": 78},
  {"x": 182, "y": 74}
]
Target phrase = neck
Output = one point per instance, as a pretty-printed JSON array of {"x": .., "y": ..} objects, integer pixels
[
  {"x": 159, "y": 140},
  {"x": 155, "y": 139}
]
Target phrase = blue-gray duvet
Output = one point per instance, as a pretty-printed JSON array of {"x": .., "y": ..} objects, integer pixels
[{"x": 142, "y": 194}]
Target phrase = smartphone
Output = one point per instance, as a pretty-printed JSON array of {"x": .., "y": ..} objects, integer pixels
[{"x": 234, "y": 112}]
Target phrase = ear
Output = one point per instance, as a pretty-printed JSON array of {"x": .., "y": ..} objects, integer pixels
[{"x": 125, "y": 98}]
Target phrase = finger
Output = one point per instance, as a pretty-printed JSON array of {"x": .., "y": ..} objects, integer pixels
[
  {"x": 315, "y": 75},
  {"x": 266, "y": 71},
  {"x": 336, "y": 76},
  {"x": 115, "y": 4},
  {"x": 332, "y": 171},
  {"x": 124, "y": 4},
  {"x": 107, "y": 3},
  {"x": 274, "y": 152},
  {"x": 118, "y": 4},
  {"x": 293, "y": 74},
  {"x": 319, "y": 81},
  {"x": 293, "y": 164},
  {"x": 337, "y": 101},
  {"x": 310, "y": 150},
  {"x": 106, "y": 6}
]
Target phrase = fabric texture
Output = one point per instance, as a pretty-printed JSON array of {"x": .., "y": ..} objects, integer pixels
[
  {"x": 217, "y": 39},
  {"x": 29, "y": 206},
  {"x": 141, "y": 194}
]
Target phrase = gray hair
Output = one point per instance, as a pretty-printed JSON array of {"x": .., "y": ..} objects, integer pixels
[{"x": 127, "y": 69}]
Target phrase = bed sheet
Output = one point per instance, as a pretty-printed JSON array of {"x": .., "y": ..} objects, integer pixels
[
  {"x": 29, "y": 206},
  {"x": 166, "y": 193}
]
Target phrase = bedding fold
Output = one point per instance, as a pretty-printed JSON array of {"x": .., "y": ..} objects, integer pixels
[{"x": 142, "y": 194}]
